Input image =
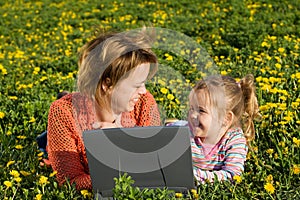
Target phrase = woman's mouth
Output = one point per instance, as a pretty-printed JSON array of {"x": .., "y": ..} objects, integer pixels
[{"x": 135, "y": 100}]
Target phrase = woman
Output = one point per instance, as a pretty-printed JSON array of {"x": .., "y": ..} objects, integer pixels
[{"x": 113, "y": 69}]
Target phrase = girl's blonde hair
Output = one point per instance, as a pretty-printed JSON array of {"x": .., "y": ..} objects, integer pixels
[
  {"x": 226, "y": 95},
  {"x": 112, "y": 56}
]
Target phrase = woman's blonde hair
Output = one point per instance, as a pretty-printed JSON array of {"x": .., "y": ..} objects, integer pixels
[
  {"x": 111, "y": 56},
  {"x": 226, "y": 95}
]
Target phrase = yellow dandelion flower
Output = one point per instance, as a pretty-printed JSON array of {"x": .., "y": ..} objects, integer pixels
[
  {"x": 8, "y": 184},
  {"x": 32, "y": 119},
  {"x": 223, "y": 73},
  {"x": 85, "y": 193},
  {"x": 168, "y": 57},
  {"x": 296, "y": 141},
  {"x": 295, "y": 105},
  {"x": 238, "y": 179},
  {"x": 40, "y": 154},
  {"x": 13, "y": 97},
  {"x": 30, "y": 85},
  {"x": 22, "y": 137},
  {"x": 270, "y": 151},
  {"x": 43, "y": 78},
  {"x": 53, "y": 173},
  {"x": 288, "y": 118},
  {"x": 170, "y": 96},
  {"x": 193, "y": 191},
  {"x": 18, "y": 179},
  {"x": 286, "y": 150},
  {"x": 196, "y": 196},
  {"x": 178, "y": 195},
  {"x": 281, "y": 50},
  {"x": 37, "y": 69},
  {"x": 14, "y": 173},
  {"x": 2, "y": 114},
  {"x": 269, "y": 188},
  {"x": 161, "y": 82},
  {"x": 296, "y": 169},
  {"x": 8, "y": 133},
  {"x": 19, "y": 146},
  {"x": 38, "y": 197},
  {"x": 177, "y": 101},
  {"x": 273, "y": 38},
  {"x": 278, "y": 65},
  {"x": 24, "y": 173},
  {"x": 281, "y": 143},
  {"x": 10, "y": 163},
  {"x": 269, "y": 178},
  {"x": 43, "y": 180},
  {"x": 164, "y": 90},
  {"x": 264, "y": 44}
]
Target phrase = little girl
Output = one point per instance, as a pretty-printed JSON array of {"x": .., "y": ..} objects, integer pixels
[
  {"x": 221, "y": 122},
  {"x": 221, "y": 119}
]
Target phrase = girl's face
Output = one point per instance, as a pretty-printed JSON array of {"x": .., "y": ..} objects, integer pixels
[
  {"x": 128, "y": 90},
  {"x": 203, "y": 121}
]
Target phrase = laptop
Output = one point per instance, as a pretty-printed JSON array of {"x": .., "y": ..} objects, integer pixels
[{"x": 155, "y": 157}]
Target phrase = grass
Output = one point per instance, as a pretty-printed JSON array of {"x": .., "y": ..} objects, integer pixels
[{"x": 39, "y": 41}]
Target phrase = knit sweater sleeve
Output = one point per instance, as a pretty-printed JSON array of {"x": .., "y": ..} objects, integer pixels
[
  {"x": 64, "y": 153},
  {"x": 146, "y": 112},
  {"x": 231, "y": 162}
]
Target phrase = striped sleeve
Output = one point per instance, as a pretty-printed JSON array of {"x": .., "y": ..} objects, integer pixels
[{"x": 233, "y": 162}]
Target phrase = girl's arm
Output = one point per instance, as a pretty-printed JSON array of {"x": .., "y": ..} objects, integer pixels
[{"x": 233, "y": 162}]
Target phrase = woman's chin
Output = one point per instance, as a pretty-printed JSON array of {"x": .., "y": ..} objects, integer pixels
[{"x": 130, "y": 108}]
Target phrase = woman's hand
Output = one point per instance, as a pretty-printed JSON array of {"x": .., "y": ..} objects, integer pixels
[{"x": 104, "y": 125}]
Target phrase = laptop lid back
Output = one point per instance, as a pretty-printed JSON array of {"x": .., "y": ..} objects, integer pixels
[{"x": 155, "y": 157}]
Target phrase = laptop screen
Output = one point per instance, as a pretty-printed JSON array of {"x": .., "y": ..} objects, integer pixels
[{"x": 155, "y": 157}]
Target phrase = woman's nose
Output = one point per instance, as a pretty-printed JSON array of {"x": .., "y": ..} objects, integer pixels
[{"x": 142, "y": 89}]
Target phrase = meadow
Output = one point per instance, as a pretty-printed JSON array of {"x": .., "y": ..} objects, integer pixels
[{"x": 39, "y": 42}]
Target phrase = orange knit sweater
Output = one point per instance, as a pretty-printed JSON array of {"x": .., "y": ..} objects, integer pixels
[{"x": 69, "y": 117}]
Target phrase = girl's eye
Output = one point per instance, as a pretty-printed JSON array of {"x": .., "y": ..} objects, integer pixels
[{"x": 201, "y": 110}]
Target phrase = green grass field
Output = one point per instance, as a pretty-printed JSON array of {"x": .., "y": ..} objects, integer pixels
[{"x": 39, "y": 41}]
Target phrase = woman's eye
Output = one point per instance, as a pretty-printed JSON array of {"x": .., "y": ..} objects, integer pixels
[{"x": 139, "y": 86}]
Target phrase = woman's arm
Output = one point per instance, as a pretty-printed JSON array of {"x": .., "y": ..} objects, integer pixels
[
  {"x": 233, "y": 162},
  {"x": 63, "y": 151},
  {"x": 146, "y": 111}
]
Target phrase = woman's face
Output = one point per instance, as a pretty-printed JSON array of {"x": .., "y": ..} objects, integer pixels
[
  {"x": 202, "y": 121},
  {"x": 128, "y": 90}
]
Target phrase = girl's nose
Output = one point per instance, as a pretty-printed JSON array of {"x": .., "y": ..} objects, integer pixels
[{"x": 194, "y": 115}]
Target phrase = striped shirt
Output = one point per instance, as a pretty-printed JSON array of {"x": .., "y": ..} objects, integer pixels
[{"x": 223, "y": 160}]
